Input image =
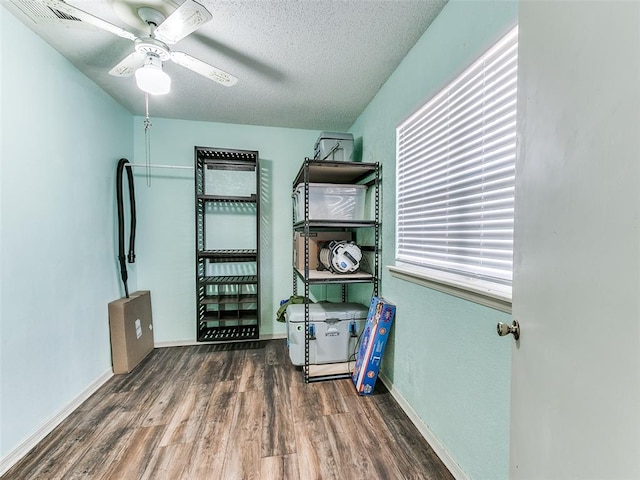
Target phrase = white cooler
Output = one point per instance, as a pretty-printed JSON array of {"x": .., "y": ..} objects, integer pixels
[{"x": 335, "y": 326}]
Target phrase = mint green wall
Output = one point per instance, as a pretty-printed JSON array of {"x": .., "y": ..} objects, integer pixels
[
  {"x": 166, "y": 216},
  {"x": 444, "y": 356},
  {"x": 60, "y": 138}
]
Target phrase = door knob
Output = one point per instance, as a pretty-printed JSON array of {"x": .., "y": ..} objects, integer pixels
[{"x": 514, "y": 329}]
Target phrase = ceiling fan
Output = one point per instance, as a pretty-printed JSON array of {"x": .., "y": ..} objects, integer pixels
[{"x": 150, "y": 51}]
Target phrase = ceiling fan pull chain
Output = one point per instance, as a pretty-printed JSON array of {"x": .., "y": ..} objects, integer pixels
[{"x": 147, "y": 140}]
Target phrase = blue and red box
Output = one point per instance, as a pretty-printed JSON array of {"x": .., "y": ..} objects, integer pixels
[{"x": 374, "y": 339}]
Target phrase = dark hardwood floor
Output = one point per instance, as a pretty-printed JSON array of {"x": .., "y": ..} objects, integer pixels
[{"x": 237, "y": 411}]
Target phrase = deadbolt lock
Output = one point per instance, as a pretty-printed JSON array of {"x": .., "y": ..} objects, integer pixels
[{"x": 514, "y": 329}]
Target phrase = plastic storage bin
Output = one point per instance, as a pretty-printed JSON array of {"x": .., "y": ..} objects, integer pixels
[
  {"x": 328, "y": 201},
  {"x": 334, "y": 146},
  {"x": 334, "y": 326}
]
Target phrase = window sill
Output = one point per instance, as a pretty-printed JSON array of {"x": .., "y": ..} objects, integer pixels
[{"x": 457, "y": 285}]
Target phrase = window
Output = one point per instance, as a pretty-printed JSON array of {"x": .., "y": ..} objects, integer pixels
[{"x": 456, "y": 177}]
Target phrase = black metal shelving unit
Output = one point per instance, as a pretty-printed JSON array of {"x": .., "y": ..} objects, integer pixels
[
  {"x": 315, "y": 171},
  {"x": 227, "y": 279}
]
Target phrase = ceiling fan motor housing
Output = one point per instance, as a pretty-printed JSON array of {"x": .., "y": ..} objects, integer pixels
[{"x": 151, "y": 46}]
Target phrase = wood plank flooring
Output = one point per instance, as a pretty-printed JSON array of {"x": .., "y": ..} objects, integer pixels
[{"x": 237, "y": 411}]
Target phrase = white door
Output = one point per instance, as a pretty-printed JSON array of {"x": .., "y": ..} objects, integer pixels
[{"x": 575, "y": 401}]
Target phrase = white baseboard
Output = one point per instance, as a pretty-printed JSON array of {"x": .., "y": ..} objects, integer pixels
[
  {"x": 47, "y": 427},
  {"x": 186, "y": 343},
  {"x": 425, "y": 431}
]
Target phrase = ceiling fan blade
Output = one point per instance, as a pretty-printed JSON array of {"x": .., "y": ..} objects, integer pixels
[
  {"x": 129, "y": 65},
  {"x": 204, "y": 69},
  {"x": 186, "y": 19},
  {"x": 65, "y": 8}
]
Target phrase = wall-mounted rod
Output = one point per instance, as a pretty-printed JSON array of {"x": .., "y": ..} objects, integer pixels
[{"x": 177, "y": 167}]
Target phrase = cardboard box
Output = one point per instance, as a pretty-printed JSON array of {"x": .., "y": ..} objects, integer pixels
[
  {"x": 131, "y": 326},
  {"x": 315, "y": 238},
  {"x": 374, "y": 339}
]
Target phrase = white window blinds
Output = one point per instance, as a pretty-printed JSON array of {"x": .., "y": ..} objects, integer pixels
[{"x": 456, "y": 172}]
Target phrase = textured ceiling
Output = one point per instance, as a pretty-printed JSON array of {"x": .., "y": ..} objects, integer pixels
[{"x": 300, "y": 63}]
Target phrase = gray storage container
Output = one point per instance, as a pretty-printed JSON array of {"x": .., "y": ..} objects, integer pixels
[
  {"x": 334, "y": 146},
  {"x": 335, "y": 326}
]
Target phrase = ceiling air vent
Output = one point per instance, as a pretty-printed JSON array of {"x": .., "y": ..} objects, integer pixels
[{"x": 44, "y": 15}]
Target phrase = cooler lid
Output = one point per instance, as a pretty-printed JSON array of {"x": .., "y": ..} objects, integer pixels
[{"x": 321, "y": 312}]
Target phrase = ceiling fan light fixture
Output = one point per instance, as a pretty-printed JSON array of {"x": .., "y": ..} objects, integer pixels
[{"x": 151, "y": 79}]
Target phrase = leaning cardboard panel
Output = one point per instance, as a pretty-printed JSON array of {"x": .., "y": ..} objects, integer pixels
[
  {"x": 131, "y": 328},
  {"x": 374, "y": 340}
]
